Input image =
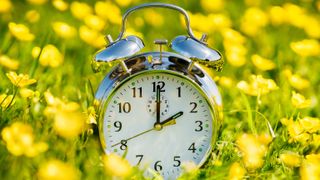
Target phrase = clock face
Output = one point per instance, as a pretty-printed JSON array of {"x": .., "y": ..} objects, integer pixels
[{"x": 159, "y": 121}]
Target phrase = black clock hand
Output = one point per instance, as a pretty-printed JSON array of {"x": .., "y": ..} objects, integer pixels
[
  {"x": 158, "y": 103},
  {"x": 172, "y": 118},
  {"x": 170, "y": 121}
]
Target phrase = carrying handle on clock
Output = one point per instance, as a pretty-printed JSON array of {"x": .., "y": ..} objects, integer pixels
[{"x": 157, "y": 5}]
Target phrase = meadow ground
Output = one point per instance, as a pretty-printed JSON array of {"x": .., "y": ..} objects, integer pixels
[{"x": 269, "y": 84}]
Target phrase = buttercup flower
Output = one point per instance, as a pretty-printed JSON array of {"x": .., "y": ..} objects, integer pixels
[
  {"x": 20, "y": 31},
  {"x": 60, "y": 5},
  {"x": 253, "y": 149},
  {"x": 310, "y": 124},
  {"x": 6, "y": 101},
  {"x": 124, "y": 3},
  {"x": 68, "y": 124},
  {"x": 92, "y": 37},
  {"x": 236, "y": 172},
  {"x": 6, "y": 6},
  {"x": 33, "y": 16},
  {"x": 37, "y": 2},
  {"x": 9, "y": 63},
  {"x": 310, "y": 169},
  {"x": 298, "y": 82},
  {"x": 80, "y": 9},
  {"x": 257, "y": 86},
  {"x": 19, "y": 139},
  {"x": 253, "y": 20},
  {"x": 56, "y": 169},
  {"x": 277, "y": 15},
  {"x": 291, "y": 159},
  {"x": 20, "y": 80},
  {"x": 64, "y": 30},
  {"x": 51, "y": 56},
  {"x": 212, "y": 5},
  {"x": 95, "y": 22},
  {"x": 116, "y": 166},
  {"x": 35, "y": 52},
  {"x": 103, "y": 9},
  {"x": 225, "y": 82},
  {"x": 306, "y": 47},
  {"x": 26, "y": 93},
  {"x": 262, "y": 63},
  {"x": 299, "y": 101}
]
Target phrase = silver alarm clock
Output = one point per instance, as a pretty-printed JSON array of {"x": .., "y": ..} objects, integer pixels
[{"x": 159, "y": 109}]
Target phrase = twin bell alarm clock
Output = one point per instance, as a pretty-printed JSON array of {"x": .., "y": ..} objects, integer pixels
[{"x": 159, "y": 110}]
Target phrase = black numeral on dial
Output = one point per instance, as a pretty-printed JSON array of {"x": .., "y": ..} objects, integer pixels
[
  {"x": 137, "y": 92},
  {"x": 179, "y": 91},
  {"x": 118, "y": 125},
  {"x": 193, "y": 107},
  {"x": 125, "y": 107},
  {"x": 192, "y": 148},
  {"x": 123, "y": 145},
  {"x": 157, "y": 166},
  {"x": 177, "y": 161},
  {"x": 161, "y": 84},
  {"x": 199, "y": 126},
  {"x": 140, "y": 157}
]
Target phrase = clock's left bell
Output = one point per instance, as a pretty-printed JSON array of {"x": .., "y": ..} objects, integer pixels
[{"x": 119, "y": 49}]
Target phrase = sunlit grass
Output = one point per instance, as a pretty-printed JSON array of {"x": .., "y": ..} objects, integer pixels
[{"x": 270, "y": 86}]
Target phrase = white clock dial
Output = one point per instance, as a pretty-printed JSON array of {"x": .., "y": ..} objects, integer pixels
[{"x": 131, "y": 114}]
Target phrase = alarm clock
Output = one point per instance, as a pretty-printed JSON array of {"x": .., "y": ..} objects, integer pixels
[{"x": 159, "y": 110}]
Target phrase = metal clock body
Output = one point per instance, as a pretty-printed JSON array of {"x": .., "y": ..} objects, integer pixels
[{"x": 159, "y": 109}]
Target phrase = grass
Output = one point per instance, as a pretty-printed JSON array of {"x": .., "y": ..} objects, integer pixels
[{"x": 74, "y": 81}]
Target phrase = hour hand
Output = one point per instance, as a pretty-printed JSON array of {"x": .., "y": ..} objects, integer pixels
[{"x": 171, "y": 120}]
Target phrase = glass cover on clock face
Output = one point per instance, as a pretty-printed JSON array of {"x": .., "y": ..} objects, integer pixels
[{"x": 159, "y": 121}]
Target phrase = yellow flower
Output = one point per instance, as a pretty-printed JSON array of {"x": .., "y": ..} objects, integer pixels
[
  {"x": 6, "y": 101},
  {"x": 306, "y": 47},
  {"x": 294, "y": 14},
  {"x": 290, "y": 159},
  {"x": 299, "y": 101},
  {"x": 20, "y": 31},
  {"x": 116, "y": 166},
  {"x": 296, "y": 131},
  {"x": 262, "y": 63},
  {"x": 91, "y": 115},
  {"x": 253, "y": 149},
  {"x": 313, "y": 28},
  {"x": 236, "y": 172},
  {"x": 92, "y": 37},
  {"x": 235, "y": 54},
  {"x": 68, "y": 124},
  {"x": 56, "y": 169},
  {"x": 51, "y": 56},
  {"x": 298, "y": 82},
  {"x": 225, "y": 81},
  {"x": 19, "y": 139},
  {"x": 6, "y": 6},
  {"x": 310, "y": 169},
  {"x": 33, "y": 16},
  {"x": 20, "y": 80},
  {"x": 220, "y": 22},
  {"x": 80, "y": 9},
  {"x": 124, "y": 3},
  {"x": 103, "y": 9},
  {"x": 9, "y": 63},
  {"x": 253, "y": 20},
  {"x": 153, "y": 18},
  {"x": 310, "y": 124},
  {"x": 257, "y": 86},
  {"x": 95, "y": 22},
  {"x": 26, "y": 93},
  {"x": 212, "y": 5},
  {"x": 60, "y": 5},
  {"x": 35, "y": 52},
  {"x": 232, "y": 36},
  {"x": 277, "y": 15},
  {"x": 64, "y": 30},
  {"x": 37, "y": 2}
]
